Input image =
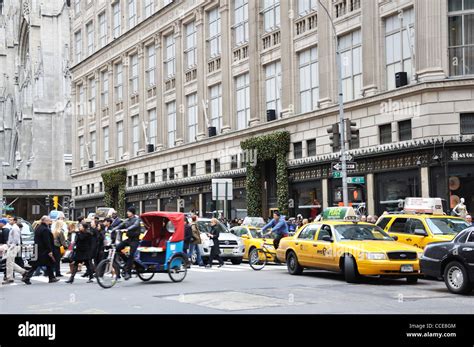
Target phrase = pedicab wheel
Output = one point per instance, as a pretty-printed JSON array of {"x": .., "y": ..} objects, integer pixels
[
  {"x": 145, "y": 276},
  {"x": 257, "y": 259},
  {"x": 177, "y": 268},
  {"x": 107, "y": 273}
]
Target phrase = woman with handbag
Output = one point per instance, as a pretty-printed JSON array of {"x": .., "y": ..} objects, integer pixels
[
  {"x": 60, "y": 244},
  {"x": 213, "y": 235},
  {"x": 82, "y": 252}
]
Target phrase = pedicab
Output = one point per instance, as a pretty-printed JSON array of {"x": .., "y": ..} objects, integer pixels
[{"x": 160, "y": 251}]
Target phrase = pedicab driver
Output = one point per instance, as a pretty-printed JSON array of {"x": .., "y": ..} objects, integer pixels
[
  {"x": 132, "y": 226},
  {"x": 279, "y": 228}
]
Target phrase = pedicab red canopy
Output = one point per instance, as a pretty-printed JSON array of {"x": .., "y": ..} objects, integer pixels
[{"x": 154, "y": 224}]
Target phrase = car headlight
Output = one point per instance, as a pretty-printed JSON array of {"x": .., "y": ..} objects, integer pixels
[
  {"x": 420, "y": 255},
  {"x": 376, "y": 256}
]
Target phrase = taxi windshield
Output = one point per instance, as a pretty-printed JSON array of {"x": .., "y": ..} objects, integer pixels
[
  {"x": 257, "y": 234},
  {"x": 360, "y": 232},
  {"x": 446, "y": 226}
]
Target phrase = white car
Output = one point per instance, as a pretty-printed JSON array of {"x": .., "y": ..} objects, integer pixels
[{"x": 231, "y": 246}]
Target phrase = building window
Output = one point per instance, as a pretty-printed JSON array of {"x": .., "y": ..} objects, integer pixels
[
  {"x": 385, "y": 133},
  {"x": 152, "y": 177},
  {"x": 132, "y": 13},
  {"x": 307, "y": 6},
  {"x": 147, "y": 177},
  {"x": 152, "y": 127},
  {"x": 90, "y": 38},
  {"x": 172, "y": 174},
  {"x": 120, "y": 140},
  {"x": 129, "y": 181},
  {"x": 170, "y": 56},
  {"x": 185, "y": 171},
  {"x": 215, "y": 93},
  {"x": 351, "y": 60},
  {"x": 190, "y": 51},
  {"x": 171, "y": 112},
  {"x": 242, "y": 88},
  {"x": 78, "y": 44},
  {"x": 102, "y": 29},
  {"x": 82, "y": 98},
  {"x": 164, "y": 175},
  {"x": 135, "y": 180},
  {"x": 273, "y": 86},
  {"x": 298, "y": 150},
  {"x": 101, "y": 187},
  {"x": 208, "y": 165},
  {"x": 135, "y": 134},
  {"x": 241, "y": 22},
  {"x": 404, "y": 130},
  {"x": 217, "y": 165},
  {"x": 234, "y": 162},
  {"x": 399, "y": 43},
  {"x": 81, "y": 151},
  {"x": 92, "y": 96},
  {"x": 193, "y": 170},
  {"x": 104, "y": 94},
  {"x": 271, "y": 15},
  {"x": 94, "y": 146},
  {"x": 461, "y": 37},
  {"x": 134, "y": 74},
  {"x": 77, "y": 7},
  {"x": 119, "y": 82},
  {"x": 105, "y": 132},
  {"x": 467, "y": 123},
  {"x": 192, "y": 122},
  {"x": 311, "y": 147},
  {"x": 149, "y": 8},
  {"x": 309, "y": 80},
  {"x": 117, "y": 19},
  {"x": 214, "y": 39},
  {"x": 92, "y": 188},
  {"x": 151, "y": 66}
]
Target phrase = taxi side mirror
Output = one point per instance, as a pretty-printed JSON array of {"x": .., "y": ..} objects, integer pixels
[
  {"x": 395, "y": 237},
  {"x": 420, "y": 232}
]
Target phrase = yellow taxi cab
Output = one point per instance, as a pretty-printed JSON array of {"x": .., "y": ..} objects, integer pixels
[
  {"x": 422, "y": 222},
  {"x": 338, "y": 242},
  {"x": 252, "y": 239}
]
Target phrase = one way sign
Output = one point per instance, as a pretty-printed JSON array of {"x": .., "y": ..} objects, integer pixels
[{"x": 350, "y": 165}]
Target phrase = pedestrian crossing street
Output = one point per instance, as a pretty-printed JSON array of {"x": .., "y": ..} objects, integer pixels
[{"x": 228, "y": 267}]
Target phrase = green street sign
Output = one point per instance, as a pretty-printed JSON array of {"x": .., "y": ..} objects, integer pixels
[
  {"x": 8, "y": 208},
  {"x": 336, "y": 174},
  {"x": 356, "y": 180}
]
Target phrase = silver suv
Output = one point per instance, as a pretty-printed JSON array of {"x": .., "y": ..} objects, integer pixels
[{"x": 231, "y": 246}]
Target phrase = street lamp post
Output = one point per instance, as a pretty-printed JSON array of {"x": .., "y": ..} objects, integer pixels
[
  {"x": 345, "y": 193},
  {"x": 2, "y": 164}
]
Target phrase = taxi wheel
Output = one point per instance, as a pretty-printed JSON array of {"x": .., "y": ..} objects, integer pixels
[
  {"x": 456, "y": 278},
  {"x": 294, "y": 268},
  {"x": 351, "y": 275}
]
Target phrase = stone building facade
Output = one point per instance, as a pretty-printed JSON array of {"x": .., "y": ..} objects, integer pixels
[
  {"x": 35, "y": 104},
  {"x": 170, "y": 73}
]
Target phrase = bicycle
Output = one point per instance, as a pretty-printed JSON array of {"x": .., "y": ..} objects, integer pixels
[{"x": 258, "y": 257}]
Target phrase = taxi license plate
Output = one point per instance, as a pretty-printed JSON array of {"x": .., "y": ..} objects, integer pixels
[
  {"x": 406, "y": 268},
  {"x": 227, "y": 251}
]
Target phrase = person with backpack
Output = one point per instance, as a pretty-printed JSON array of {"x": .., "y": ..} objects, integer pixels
[{"x": 195, "y": 241}]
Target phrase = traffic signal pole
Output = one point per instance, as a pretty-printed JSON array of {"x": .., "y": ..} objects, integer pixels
[{"x": 345, "y": 193}]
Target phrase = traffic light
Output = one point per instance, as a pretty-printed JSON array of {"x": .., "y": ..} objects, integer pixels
[
  {"x": 352, "y": 133},
  {"x": 335, "y": 137},
  {"x": 55, "y": 202},
  {"x": 47, "y": 201}
]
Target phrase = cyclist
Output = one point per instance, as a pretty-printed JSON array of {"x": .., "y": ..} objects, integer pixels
[
  {"x": 132, "y": 226},
  {"x": 279, "y": 228}
]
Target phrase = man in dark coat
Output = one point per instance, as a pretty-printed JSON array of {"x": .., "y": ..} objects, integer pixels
[
  {"x": 44, "y": 243},
  {"x": 133, "y": 228}
]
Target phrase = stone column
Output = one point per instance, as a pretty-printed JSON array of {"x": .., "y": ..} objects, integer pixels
[
  {"x": 226, "y": 71},
  {"x": 327, "y": 58},
  {"x": 431, "y": 44},
  {"x": 180, "y": 97},
  {"x": 370, "y": 49},
  {"x": 142, "y": 95},
  {"x": 112, "y": 124},
  {"x": 160, "y": 108},
  {"x": 325, "y": 192},
  {"x": 425, "y": 182},
  {"x": 201, "y": 75},
  {"x": 126, "y": 105},
  {"x": 287, "y": 61},
  {"x": 370, "y": 194},
  {"x": 254, "y": 63}
]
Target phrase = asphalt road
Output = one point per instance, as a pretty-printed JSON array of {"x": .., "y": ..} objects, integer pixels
[{"x": 235, "y": 289}]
